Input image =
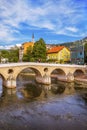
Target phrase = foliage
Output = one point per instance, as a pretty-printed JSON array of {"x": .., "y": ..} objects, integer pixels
[
  {"x": 39, "y": 50},
  {"x": 61, "y": 61},
  {"x": 85, "y": 49},
  {"x": 37, "y": 53},
  {"x": 51, "y": 60},
  {"x": 28, "y": 55},
  {"x": 4, "y": 53},
  {"x": 14, "y": 55}
]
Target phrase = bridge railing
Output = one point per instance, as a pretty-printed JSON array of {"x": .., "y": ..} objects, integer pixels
[{"x": 40, "y": 64}]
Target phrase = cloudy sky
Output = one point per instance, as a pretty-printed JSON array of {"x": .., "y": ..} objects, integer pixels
[{"x": 56, "y": 21}]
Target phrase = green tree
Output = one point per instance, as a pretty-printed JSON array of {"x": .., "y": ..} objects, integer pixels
[
  {"x": 28, "y": 55},
  {"x": 14, "y": 55},
  {"x": 39, "y": 50},
  {"x": 85, "y": 52},
  {"x": 4, "y": 53}
]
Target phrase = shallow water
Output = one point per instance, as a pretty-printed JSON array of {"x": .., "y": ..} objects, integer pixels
[{"x": 31, "y": 107}]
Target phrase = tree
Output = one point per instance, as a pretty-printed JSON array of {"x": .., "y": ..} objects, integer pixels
[
  {"x": 14, "y": 55},
  {"x": 85, "y": 52},
  {"x": 28, "y": 55},
  {"x": 4, "y": 54},
  {"x": 39, "y": 50}
]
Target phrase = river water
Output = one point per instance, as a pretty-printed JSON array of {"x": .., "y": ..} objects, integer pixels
[{"x": 31, "y": 107}]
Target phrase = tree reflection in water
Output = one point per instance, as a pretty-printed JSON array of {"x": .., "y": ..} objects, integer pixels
[{"x": 31, "y": 90}]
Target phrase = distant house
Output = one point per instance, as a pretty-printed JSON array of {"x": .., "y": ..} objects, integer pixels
[
  {"x": 59, "y": 54},
  {"x": 4, "y": 60},
  {"x": 49, "y": 46},
  {"x": 77, "y": 54}
]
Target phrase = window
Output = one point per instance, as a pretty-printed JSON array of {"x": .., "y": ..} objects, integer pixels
[{"x": 81, "y": 53}]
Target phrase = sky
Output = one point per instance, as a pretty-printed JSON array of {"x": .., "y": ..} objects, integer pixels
[{"x": 56, "y": 21}]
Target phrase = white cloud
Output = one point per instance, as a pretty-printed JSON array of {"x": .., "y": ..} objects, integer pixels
[
  {"x": 59, "y": 16},
  {"x": 9, "y": 46},
  {"x": 72, "y": 29},
  {"x": 6, "y": 47}
]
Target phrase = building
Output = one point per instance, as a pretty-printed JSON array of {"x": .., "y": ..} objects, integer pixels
[
  {"x": 49, "y": 46},
  {"x": 25, "y": 45},
  {"x": 4, "y": 60},
  {"x": 77, "y": 54},
  {"x": 58, "y": 54}
]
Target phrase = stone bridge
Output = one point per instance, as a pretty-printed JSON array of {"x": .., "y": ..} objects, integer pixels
[{"x": 44, "y": 71}]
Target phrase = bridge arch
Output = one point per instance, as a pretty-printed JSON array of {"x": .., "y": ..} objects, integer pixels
[
  {"x": 58, "y": 74},
  {"x": 2, "y": 79},
  {"x": 35, "y": 70},
  {"x": 29, "y": 70},
  {"x": 58, "y": 71},
  {"x": 78, "y": 73}
]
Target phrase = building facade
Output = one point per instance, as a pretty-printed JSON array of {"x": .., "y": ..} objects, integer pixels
[
  {"x": 59, "y": 54},
  {"x": 26, "y": 45},
  {"x": 77, "y": 54}
]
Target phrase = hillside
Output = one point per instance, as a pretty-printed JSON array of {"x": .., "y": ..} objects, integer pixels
[{"x": 75, "y": 43}]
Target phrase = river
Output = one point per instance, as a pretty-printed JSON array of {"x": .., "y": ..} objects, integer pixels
[{"x": 31, "y": 107}]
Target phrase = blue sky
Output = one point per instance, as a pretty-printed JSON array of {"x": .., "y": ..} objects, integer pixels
[{"x": 56, "y": 21}]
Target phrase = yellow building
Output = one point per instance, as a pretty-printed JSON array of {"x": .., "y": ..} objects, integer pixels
[
  {"x": 26, "y": 45},
  {"x": 59, "y": 54}
]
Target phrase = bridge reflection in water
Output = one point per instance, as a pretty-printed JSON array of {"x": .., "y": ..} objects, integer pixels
[
  {"x": 32, "y": 106},
  {"x": 27, "y": 87}
]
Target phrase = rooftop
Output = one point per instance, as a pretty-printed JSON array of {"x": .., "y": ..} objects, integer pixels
[{"x": 55, "y": 49}]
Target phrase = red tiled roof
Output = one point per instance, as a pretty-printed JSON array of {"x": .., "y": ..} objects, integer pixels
[{"x": 55, "y": 49}]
